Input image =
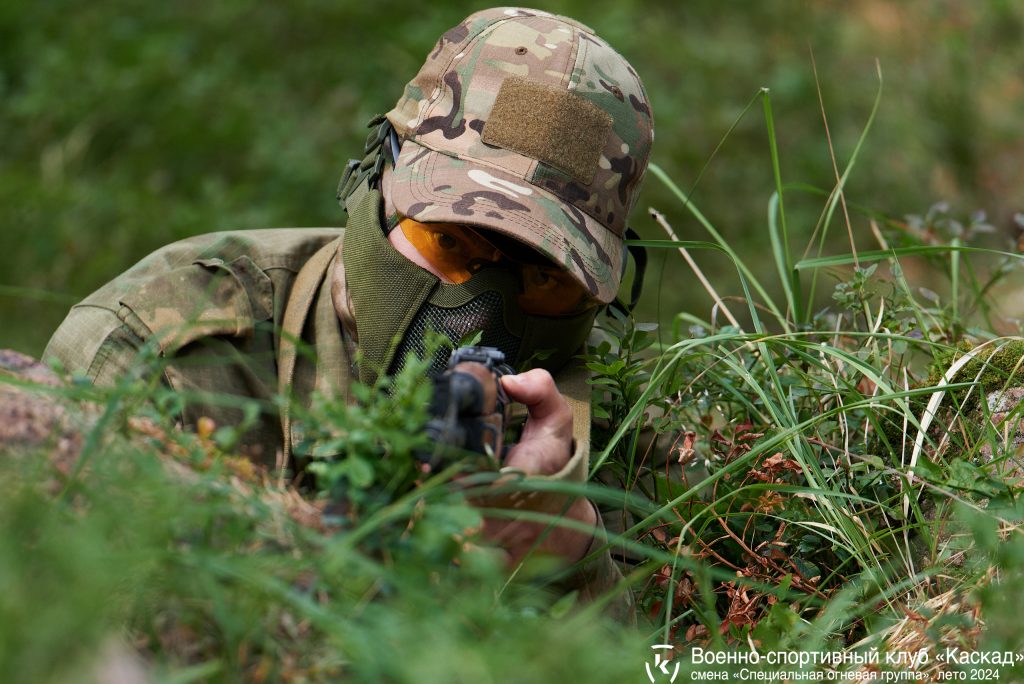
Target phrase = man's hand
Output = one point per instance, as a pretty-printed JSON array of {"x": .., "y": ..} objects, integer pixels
[{"x": 544, "y": 449}]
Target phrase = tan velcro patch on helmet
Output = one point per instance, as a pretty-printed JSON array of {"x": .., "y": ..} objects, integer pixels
[{"x": 549, "y": 124}]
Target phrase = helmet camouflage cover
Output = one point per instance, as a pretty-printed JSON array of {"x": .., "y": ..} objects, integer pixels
[{"x": 528, "y": 124}]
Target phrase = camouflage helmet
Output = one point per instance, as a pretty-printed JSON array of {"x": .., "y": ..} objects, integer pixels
[{"x": 528, "y": 124}]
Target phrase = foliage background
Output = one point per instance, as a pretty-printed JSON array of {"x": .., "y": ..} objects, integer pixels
[{"x": 126, "y": 124}]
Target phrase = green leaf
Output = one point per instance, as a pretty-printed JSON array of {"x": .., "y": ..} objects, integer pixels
[
  {"x": 563, "y": 606},
  {"x": 895, "y": 252},
  {"x": 359, "y": 472},
  {"x": 471, "y": 339}
]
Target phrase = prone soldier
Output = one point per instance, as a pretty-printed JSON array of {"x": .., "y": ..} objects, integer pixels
[{"x": 493, "y": 197}]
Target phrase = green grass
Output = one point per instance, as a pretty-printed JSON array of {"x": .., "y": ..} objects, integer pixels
[
  {"x": 164, "y": 544},
  {"x": 820, "y": 506},
  {"x": 839, "y": 480}
]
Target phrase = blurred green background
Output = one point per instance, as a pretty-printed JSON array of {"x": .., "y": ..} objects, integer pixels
[{"x": 126, "y": 124}]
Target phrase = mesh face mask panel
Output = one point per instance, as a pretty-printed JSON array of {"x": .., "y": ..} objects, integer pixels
[{"x": 484, "y": 313}]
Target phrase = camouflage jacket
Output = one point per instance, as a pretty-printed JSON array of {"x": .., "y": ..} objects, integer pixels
[{"x": 209, "y": 311}]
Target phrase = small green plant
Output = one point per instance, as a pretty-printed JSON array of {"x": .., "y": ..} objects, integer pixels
[{"x": 376, "y": 435}]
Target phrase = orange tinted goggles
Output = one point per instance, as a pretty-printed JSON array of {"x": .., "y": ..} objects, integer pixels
[{"x": 458, "y": 252}]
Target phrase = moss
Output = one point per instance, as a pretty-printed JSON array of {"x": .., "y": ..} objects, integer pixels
[
  {"x": 944, "y": 358},
  {"x": 993, "y": 368}
]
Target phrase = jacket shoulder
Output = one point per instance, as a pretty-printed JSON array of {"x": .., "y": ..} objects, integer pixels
[
  {"x": 221, "y": 283},
  {"x": 266, "y": 249}
]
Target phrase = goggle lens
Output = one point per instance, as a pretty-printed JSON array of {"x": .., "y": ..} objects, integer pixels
[{"x": 458, "y": 252}]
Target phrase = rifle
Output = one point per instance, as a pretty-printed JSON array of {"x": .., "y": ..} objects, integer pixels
[{"x": 469, "y": 409}]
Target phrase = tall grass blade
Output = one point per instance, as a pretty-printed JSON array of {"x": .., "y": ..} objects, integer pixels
[
  {"x": 660, "y": 174},
  {"x": 777, "y": 230}
]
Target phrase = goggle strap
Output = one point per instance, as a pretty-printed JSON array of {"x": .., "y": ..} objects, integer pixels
[
  {"x": 639, "y": 254},
  {"x": 391, "y": 222}
]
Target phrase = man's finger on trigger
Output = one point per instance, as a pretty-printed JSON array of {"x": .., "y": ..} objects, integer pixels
[{"x": 537, "y": 390}]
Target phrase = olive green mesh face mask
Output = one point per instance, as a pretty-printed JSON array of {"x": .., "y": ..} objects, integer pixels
[
  {"x": 397, "y": 304},
  {"x": 486, "y": 304}
]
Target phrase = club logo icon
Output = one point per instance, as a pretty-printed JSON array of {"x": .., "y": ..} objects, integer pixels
[{"x": 660, "y": 670}]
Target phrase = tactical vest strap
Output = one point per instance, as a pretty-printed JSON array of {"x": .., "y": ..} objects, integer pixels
[
  {"x": 572, "y": 383},
  {"x": 295, "y": 315}
]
